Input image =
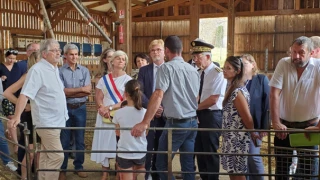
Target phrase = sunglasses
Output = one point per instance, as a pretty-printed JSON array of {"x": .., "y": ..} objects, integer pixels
[{"x": 12, "y": 51}]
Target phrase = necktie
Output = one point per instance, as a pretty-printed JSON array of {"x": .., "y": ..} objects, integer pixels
[
  {"x": 201, "y": 85},
  {"x": 155, "y": 77}
]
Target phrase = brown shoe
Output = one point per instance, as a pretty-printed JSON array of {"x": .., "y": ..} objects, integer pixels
[
  {"x": 81, "y": 174},
  {"x": 62, "y": 176}
]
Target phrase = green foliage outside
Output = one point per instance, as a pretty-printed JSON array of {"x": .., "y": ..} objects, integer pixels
[{"x": 219, "y": 55}]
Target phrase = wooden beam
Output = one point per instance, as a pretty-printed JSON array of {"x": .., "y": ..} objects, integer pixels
[
  {"x": 297, "y": 4},
  {"x": 176, "y": 10},
  {"x": 36, "y": 10},
  {"x": 126, "y": 22},
  {"x": 278, "y": 12},
  {"x": 34, "y": 32},
  {"x": 161, "y": 18},
  {"x": 216, "y": 5},
  {"x": 104, "y": 23},
  {"x": 97, "y": 4},
  {"x": 194, "y": 20},
  {"x": 280, "y": 4},
  {"x": 157, "y": 6},
  {"x": 139, "y": 3},
  {"x": 60, "y": 17},
  {"x": 252, "y": 6},
  {"x": 231, "y": 26},
  {"x": 237, "y": 2}
]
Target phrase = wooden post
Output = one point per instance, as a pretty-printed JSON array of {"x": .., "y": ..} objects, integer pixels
[
  {"x": 125, "y": 18},
  {"x": 45, "y": 15},
  {"x": 194, "y": 19},
  {"x": 231, "y": 24}
]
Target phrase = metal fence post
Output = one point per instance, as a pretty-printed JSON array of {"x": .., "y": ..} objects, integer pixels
[
  {"x": 26, "y": 132},
  {"x": 170, "y": 154},
  {"x": 35, "y": 151}
]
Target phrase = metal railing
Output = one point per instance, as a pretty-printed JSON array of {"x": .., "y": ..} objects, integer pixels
[{"x": 268, "y": 142}]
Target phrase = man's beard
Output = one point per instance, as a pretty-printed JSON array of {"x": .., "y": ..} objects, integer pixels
[{"x": 300, "y": 63}]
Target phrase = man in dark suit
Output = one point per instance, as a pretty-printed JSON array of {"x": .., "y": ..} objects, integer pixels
[{"x": 147, "y": 77}]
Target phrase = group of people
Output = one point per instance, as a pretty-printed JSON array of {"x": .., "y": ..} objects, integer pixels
[{"x": 171, "y": 94}]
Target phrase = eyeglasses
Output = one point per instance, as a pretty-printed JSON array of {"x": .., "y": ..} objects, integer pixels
[
  {"x": 198, "y": 56},
  {"x": 156, "y": 50},
  {"x": 13, "y": 51},
  {"x": 56, "y": 50}
]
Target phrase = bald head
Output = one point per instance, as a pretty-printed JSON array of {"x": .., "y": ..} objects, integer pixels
[{"x": 32, "y": 47}]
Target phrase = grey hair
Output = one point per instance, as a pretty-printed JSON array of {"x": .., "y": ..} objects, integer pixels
[
  {"x": 207, "y": 53},
  {"x": 117, "y": 54},
  {"x": 304, "y": 41},
  {"x": 70, "y": 46},
  {"x": 45, "y": 44},
  {"x": 316, "y": 41}
]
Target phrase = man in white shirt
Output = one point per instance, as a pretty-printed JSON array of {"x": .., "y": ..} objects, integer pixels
[
  {"x": 294, "y": 101},
  {"x": 316, "y": 46},
  {"x": 44, "y": 88},
  {"x": 209, "y": 113}
]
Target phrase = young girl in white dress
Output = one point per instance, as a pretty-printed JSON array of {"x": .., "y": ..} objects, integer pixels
[{"x": 127, "y": 117}]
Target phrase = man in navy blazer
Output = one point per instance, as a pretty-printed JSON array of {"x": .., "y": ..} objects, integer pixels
[{"x": 147, "y": 77}]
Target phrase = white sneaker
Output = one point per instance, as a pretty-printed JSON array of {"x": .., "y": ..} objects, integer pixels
[{"x": 11, "y": 166}]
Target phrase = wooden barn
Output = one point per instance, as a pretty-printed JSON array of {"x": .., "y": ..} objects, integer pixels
[{"x": 263, "y": 28}]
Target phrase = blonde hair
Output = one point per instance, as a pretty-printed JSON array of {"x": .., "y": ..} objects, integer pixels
[
  {"x": 103, "y": 69},
  {"x": 251, "y": 59},
  {"x": 117, "y": 54},
  {"x": 155, "y": 42},
  {"x": 33, "y": 59}
]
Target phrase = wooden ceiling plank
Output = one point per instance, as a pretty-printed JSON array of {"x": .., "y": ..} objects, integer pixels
[
  {"x": 216, "y": 5},
  {"x": 97, "y": 4},
  {"x": 237, "y": 2},
  {"x": 37, "y": 11},
  {"x": 60, "y": 17},
  {"x": 139, "y": 3},
  {"x": 156, "y": 6}
]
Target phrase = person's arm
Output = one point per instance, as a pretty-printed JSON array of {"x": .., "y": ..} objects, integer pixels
[
  {"x": 210, "y": 101},
  {"x": 275, "y": 112},
  {"x": 20, "y": 105},
  {"x": 78, "y": 92},
  {"x": 242, "y": 107},
  {"x": 9, "y": 92}
]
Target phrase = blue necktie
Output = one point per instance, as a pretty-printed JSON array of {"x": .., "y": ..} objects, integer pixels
[{"x": 201, "y": 85}]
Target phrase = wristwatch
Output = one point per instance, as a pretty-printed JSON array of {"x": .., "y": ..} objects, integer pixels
[{"x": 110, "y": 108}]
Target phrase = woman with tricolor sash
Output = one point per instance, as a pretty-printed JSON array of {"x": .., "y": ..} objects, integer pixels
[{"x": 109, "y": 95}]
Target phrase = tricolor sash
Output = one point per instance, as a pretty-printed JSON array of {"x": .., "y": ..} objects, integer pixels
[{"x": 112, "y": 89}]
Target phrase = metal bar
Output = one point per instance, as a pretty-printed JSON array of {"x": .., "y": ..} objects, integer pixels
[
  {"x": 170, "y": 154},
  {"x": 83, "y": 13},
  {"x": 45, "y": 16},
  {"x": 26, "y": 132},
  {"x": 35, "y": 151}
]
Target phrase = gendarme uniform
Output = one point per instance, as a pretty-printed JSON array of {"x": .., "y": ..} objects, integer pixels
[{"x": 212, "y": 83}]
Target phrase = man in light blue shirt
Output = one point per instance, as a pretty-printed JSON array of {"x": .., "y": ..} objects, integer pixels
[
  {"x": 177, "y": 86},
  {"x": 77, "y": 87}
]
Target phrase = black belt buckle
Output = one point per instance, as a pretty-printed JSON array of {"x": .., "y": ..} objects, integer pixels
[{"x": 75, "y": 105}]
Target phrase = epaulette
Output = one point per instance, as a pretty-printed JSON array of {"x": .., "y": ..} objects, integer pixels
[{"x": 218, "y": 69}]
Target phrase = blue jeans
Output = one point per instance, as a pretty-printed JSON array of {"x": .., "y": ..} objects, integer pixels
[
  {"x": 255, "y": 163},
  {"x": 4, "y": 146},
  {"x": 77, "y": 118},
  {"x": 182, "y": 140}
]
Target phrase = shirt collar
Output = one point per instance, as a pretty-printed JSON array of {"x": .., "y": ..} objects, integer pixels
[
  {"x": 209, "y": 68},
  {"x": 154, "y": 65},
  {"x": 66, "y": 65},
  {"x": 47, "y": 63}
]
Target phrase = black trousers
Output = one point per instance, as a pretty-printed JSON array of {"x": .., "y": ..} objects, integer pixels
[
  {"x": 307, "y": 166},
  {"x": 208, "y": 141},
  {"x": 153, "y": 140}
]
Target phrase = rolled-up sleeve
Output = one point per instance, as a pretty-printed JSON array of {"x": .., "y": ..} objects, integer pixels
[
  {"x": 32, "y": 84},
  {"x": 163, "y": 80},
  {"x": 277, "y": 77}
]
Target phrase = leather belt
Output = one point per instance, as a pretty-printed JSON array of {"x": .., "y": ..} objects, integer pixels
[
  {"x": 75, "y": 105},
  {"x": 181, "y": 120},
  {"x": 303, "y": 124}
]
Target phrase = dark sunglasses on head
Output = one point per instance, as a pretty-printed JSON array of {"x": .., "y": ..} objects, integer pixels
[{"x": 13, "y": 51}]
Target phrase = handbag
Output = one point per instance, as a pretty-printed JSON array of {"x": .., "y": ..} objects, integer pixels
[
  {"x": 7, "y": 107},
  {"x": 114, "y": 94}
]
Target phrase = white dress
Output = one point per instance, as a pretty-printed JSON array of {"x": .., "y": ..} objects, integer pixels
[{"x": 106, "y": 139}]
